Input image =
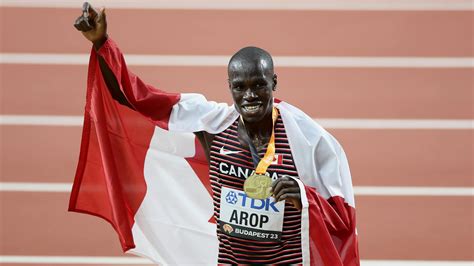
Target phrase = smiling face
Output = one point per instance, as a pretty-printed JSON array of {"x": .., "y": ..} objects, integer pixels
[{"x": 251, "y": 83}]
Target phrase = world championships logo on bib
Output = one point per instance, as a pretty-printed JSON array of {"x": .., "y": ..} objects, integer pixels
[{"x": 231, "y": 197}]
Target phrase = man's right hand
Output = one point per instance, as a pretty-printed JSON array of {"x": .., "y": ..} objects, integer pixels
[{"x": 92, "y": 24}]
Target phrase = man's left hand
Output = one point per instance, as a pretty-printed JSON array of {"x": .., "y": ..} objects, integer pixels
[{"x": 286, "y": 188}]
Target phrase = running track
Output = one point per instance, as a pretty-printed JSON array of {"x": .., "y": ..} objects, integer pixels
[{"x": 393, "y": 82}]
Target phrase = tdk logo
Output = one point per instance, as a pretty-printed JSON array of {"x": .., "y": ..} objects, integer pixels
[
  {"x": 258, "y": 204},
  {"x": 231, "y": 197},
  {"x": 246, "y": 202}
]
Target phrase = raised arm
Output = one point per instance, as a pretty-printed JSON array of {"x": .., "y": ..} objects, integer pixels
[
  {"x": 93, "y": 26},
  {"x": 119, "y": 80}
]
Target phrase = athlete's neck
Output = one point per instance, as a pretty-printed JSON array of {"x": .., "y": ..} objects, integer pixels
[{"x": 259, "y": 132}]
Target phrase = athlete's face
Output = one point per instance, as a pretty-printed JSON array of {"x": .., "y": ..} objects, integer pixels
[{"x": 251, "y": 85}]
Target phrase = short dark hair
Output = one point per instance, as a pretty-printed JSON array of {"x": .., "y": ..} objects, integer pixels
[{"x": 251, "y": 54}]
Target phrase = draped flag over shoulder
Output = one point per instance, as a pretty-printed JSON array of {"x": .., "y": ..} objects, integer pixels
[{"x": 144, "y": 172}]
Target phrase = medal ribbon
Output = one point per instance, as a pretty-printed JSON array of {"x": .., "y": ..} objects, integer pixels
[{"x": 263, "y": 164}]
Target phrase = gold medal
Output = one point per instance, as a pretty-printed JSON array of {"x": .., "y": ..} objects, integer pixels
[{"x": 258, "y": 186}]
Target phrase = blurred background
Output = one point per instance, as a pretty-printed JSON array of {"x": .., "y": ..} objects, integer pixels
[{"x": 392, "y": 80}]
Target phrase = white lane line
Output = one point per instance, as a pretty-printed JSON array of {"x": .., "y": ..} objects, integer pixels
[
  {"x": 35, "y": 187},
  {"x": 73, "y": 260},
  {"x": 413, "y": 191},
  {"x": 415, "y": 263},
  {"x": 358, "y": 190},
  {"x": 336, "y": 123},
  {"x": 255, "y": 4},
  {"x": 134, "y": 260},
  {"x": 397, "y": 123},
  {"x": 41, "y": 120},
  {"x": 218, "y": 60}
]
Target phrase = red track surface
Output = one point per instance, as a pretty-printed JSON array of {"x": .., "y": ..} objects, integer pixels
[
  {"x": 330, "y": 33},
  {"x": 346, "y": 92},
  {"x": 377, "y": 157},
  {"x": 401, "y": 227},
  {"x": 390, "y": 227}
]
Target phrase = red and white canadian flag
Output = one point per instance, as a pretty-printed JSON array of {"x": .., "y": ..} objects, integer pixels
[
  {"x": 145, "y": 173},
  {"x": 277, "y": 159}
]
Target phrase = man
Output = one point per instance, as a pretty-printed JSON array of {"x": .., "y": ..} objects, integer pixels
[{"x": 247, "y": 146}]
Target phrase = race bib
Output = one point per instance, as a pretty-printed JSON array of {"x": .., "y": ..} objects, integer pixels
[{"x": 256, "y": 219}]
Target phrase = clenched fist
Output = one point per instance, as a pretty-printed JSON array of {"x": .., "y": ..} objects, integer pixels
[{"x": 92, "y": 24}]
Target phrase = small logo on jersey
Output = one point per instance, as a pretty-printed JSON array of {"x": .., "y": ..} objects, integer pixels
[
  {"x": 231, "y": 197},
  {"x": 278, "y": 159},
  {"x": 228, "y": 228},
  {"x": 227, "y": 152}
]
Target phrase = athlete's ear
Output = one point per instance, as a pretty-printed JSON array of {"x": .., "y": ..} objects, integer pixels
[{"x": 274, "y": 82}]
